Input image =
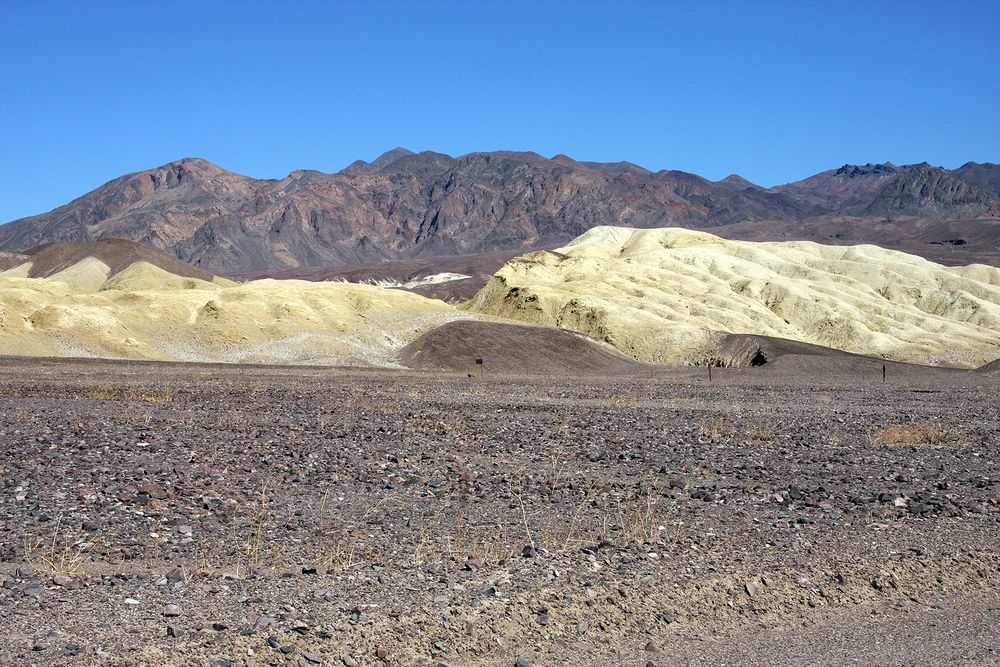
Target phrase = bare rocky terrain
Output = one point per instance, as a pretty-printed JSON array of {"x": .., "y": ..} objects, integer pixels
[{"x": 158, "y": 514}]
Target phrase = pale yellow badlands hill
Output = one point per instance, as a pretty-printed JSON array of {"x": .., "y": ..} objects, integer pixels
[
  {"x": 659, "y": 295},
  {"x": 145, "y": 312}
]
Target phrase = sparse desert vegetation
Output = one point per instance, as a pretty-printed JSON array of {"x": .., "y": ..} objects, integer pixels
[
  {"x": 924, "y": 433},
  {"x": 157, "y": 514}
]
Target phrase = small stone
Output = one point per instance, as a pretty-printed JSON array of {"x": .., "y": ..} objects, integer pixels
[
  {"x": 521, "y": 662},
  {"x": 529, "y": 552},
  {"x": 273, "y": 642},
  {"x": 312, "y": 657},
  {"x": 63, "y": 581},
  {"x": 582, "y": 627},
  {"x": 264, "y": 622},
  {"x": 220, "y": 662},
  {"x": 650, "y": 647},
  {"x": 349, "y": 661},
  {"x": 751, "y": 587},
  {"x": 171, "y": 610},
  {"x": 132, "y": 602},
  {"x": 668, "y": 617},
  {"x": 152, "y": 491},
  {"x": 382, "y": 653}
]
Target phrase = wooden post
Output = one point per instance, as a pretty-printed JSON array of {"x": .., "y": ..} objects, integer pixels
[
  {"x": 479, "y": 367},
  {"x": 710, "y": 372},
  {"x": 883, "y": 373}
]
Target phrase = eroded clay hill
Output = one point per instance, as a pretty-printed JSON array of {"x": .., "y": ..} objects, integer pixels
[
  {"x": 670, "y": 295},
  {"x": 113, "y": 301}
]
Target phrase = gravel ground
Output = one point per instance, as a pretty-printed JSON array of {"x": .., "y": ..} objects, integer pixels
[{"x": 156, "y": 514}]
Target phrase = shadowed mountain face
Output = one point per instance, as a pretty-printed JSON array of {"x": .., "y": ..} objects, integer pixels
[{"x": 411, "y": 205}]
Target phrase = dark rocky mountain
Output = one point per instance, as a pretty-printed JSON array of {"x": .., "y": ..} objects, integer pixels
[
  {"x": 412, "y": 205},
  {"x": 985, "y": 176}
]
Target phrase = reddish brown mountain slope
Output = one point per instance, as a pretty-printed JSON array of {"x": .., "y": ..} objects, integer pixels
[{"x": 411, "y": 205}]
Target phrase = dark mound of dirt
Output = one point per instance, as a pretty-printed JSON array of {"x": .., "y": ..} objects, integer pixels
[
  {"x": 748, "y": 350},
  {"x": 780, "y": 355},
  {"x": 118, "y": 254},
  {"x": 509, "y": 348},
  {"x": 992, "y": 368},
  {"x": 9, "y": 260}
]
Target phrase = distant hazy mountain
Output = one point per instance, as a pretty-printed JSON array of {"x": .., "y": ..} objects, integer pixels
[{"x": 406, "y": 204}]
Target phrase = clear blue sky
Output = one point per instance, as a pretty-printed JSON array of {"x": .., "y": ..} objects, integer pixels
[{"x": 774, "y": 91}]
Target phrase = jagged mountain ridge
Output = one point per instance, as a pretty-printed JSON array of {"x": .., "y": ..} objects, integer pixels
[{"x": 406, "y": 204}]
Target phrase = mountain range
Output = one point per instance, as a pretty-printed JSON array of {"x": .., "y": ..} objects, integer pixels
[{"x": 406, "y": 205}]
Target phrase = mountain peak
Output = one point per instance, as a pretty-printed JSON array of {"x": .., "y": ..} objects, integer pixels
[
  {"x": 194, "y": 165},
  {"x": 737, "y": 182},
  {"x": 869, "y": 169},
  {"x": 390, "y": 156}
]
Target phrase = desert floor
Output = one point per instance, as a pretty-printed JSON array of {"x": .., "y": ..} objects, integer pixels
[{"x": 157, "y": 514}]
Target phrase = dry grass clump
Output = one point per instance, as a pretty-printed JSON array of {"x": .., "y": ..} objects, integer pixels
[
  {"x": 111, "y": 392},
  {"x": 639, "y": 519},
  {"x": 924, "y": 433},
  {"x": 60, "y": 552}
]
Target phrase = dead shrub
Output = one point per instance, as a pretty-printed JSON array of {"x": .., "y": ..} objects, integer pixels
[{"x": 924, "y": 433}]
